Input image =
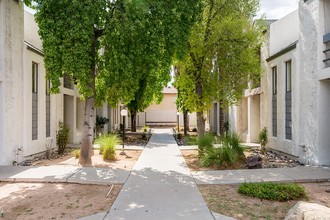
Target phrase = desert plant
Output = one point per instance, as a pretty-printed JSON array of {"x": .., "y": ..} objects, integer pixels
[
  {"x": 273, "y": 191},
  {"x": 76, "y": 153},
  {"x": 108, "y": 146},
  {"x": 205, "y": 142},
  {"x": 263, "y": 138},
  {"x": 145, "y": 128},
  {"x": 232, "y": 140},
  {"x": 62, "y": 137},
  {"x": 222, "y": 156}
]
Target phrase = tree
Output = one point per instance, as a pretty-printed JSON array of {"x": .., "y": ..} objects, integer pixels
[
  {"x": 222, "y": 56},
  {"x": 103, "y": 44}
]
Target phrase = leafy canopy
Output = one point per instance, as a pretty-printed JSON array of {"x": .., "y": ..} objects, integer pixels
[
  {"x": 134, "y": 41},
  {"x": 222, "y": 57}
]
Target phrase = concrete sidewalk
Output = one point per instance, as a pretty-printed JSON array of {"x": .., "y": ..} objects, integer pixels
[
  {"x": 296, "y": 174},
  {"x": 160, "y": 186},
  {"x": 63, "y": 174}
]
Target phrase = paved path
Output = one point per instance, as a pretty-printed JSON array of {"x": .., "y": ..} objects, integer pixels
[{"x": 160, "y": 186}]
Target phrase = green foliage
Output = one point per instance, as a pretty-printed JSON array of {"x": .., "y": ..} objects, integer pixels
[
  {"x": 145, "y": 128},
  {"x": 113, "y": 50},
  {"x": 263, "y": 137},
  {"x": 191, "y": 140},
  {"x": 76, "y": 153},
  {"x": 273, "y": 191},
  {"x": 232, "y": 140},
  {"x": 108, "y": 146},
  {"x": 62, "y": 137},
  {"x": 205, "y": 142},
  {"x": 100, "y": 122},
  {"x": 222, "y": 58},
  {"x": 222, "y": 156},
  {"x": 226, "y": 155}
]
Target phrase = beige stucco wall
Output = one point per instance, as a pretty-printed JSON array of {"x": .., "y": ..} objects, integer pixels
[{"x": 11, "y": 79}]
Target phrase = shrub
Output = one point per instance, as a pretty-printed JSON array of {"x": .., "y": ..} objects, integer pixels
[
  {"x": 263, "y": 138},
  {"x": 232, "y": 140},
  {"x": 76, "y": 153},
  {"x": 273, "y": 191},
  {"x": 191, "y": 140},
  {"x": 108, "y": 146},
  {"x": 204, "y": 142},
  {"x": 222, "y": 156},
  {"x": 145, "y": 128},
  {"x": 62, "y": 137}
]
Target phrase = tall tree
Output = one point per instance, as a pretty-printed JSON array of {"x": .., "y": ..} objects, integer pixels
[
  {"x": 103, "y": 44},
  {"x": 222, "y": 58}
]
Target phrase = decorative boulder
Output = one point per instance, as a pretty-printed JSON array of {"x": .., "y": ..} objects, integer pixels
[
  {"x": 254, "y": 162},
  {"x": 308, "y": 211}
]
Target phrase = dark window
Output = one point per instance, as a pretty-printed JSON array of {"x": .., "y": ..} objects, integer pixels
[
  {"x": 34, "y": 78},
  {"x": 47, "y": 108},
  {"x": 288, "y": 74},
  {"x": 274, "y": 101},
  {"x": 34, "y": 101},
  {"x": 274, "y": 74},
  {"x": 288, "y": 100}
]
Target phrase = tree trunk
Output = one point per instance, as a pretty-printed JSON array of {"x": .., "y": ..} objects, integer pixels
[
  {"x": 86, "y": 143},
  {"x": 200, "y": 115},
  {"x": 86, "y": 150},
  {"x": 133, "y": 121},
  {"x": 185, "y": 122},
  {"x": 200, "y": 124},
  {"x": 221, "y": 119}
]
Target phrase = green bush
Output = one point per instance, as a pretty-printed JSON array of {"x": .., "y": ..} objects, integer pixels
[
  {"x": 62, "y": 137},
  {"x": 263, "y": 138},
  {"x": 205, "y": 142},
  {"x": 145, "y": 128},
  {"x": 76, "y": 153},
  {"x": 273, "y": 191},
  {"x": 108, "y": 146},
  {"x": 191, "y": 140},
  {"x": 222, "y": 156},
  {"x": 232, "y": 140}
]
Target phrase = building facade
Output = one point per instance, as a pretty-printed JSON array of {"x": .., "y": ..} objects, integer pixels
[{"x": 293, "y": 101}]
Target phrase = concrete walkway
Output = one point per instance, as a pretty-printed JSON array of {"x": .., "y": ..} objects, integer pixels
[{"x": 160, "y": 186}]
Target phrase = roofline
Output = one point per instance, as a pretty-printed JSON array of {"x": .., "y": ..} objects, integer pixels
[
  {"x": 34, "y": 49},
  {"x": 284, "y": 51}
]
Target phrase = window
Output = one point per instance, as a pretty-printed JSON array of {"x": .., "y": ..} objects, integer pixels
[
  {"x": 47, "y": 87},
  {"x": 47, "y": 108},
  {"x": 288, "y": 70},
  {"x": 34, "y": 101},
  {"x": 288, "y": 100},
  {"x": 274, "y": 75},
  {"x": 274, "y": 101},
  {"x": 34, "y": 78}
]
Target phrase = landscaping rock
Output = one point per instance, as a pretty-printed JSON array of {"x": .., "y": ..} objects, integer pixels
[
  {"x": 308, "y": 211},
  {"x": 254, "y": 162}
]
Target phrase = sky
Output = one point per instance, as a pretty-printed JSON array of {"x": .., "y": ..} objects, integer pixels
[{"x": 275, "y": 9}]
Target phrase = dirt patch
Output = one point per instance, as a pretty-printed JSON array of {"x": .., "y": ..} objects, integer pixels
[
  {"x": 54, "y": 201},
  {"x": 225, "y": 199},
  {"x": 122, "y": 162}
]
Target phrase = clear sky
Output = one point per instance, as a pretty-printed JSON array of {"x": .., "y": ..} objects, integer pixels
[{"x": 275, "y": 9}]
